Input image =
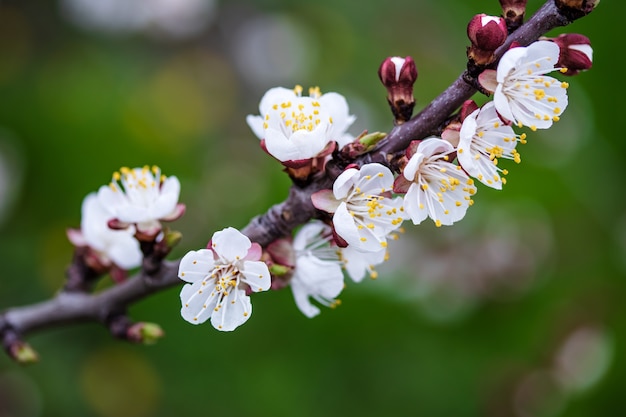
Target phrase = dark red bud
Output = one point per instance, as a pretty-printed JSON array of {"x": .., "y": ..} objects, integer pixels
[
  {"x": 398, "y": 75},
  {"x": 575, "y": 54},
  {"x": 513, "y": 12},
  {"x": 487, "y": 32}
]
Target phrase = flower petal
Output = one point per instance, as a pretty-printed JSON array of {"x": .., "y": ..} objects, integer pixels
[
  {"x": 230, "y": 244},
  {"x": 196, "y": 265},
  {"x": 234, "y": 311},
  {"x": 198, "y": 302},
  {"x": 256, "y": 275}
]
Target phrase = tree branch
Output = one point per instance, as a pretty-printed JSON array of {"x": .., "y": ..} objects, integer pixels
[{"x": 79, "y": 306}]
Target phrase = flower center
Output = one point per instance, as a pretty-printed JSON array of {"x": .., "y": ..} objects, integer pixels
[
  {"x": 141, "y": 186},
  {"x": 303, "y": 113}
]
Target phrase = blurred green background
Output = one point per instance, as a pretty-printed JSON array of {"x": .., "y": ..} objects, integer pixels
[{"x": 515, "y": 311}]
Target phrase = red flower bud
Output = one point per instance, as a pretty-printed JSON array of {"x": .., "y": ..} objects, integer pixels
[
  {"x": 513, "y": 12},
  {"x": 576, "y": 53},
  {"x": 486, "y": 33},
  {"x": 398, "y": 75}
]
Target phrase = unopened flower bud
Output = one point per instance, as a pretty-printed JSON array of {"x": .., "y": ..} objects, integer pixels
[
  {"x": 513, "y": 12},
  {"x": 364, "y": 143},
  {"x": 575, "y": 9},
  {"x": 486, "y": 33},
  {"x": 146, "y": 333},
  {"x": 22, "y": 353},
  {"x": 575, "y": 54},
  {"x": 398, "y": 75}
]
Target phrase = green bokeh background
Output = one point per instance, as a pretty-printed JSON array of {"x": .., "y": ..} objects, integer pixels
[{"x": 76, "y": 104}]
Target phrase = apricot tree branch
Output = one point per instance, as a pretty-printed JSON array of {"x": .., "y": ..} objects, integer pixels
[{"x": 71, "y": 306}]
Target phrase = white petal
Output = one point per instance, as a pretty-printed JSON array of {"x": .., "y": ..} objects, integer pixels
[
  {"x": 345, "y": 226},
  {"x": 112, "y": 201},
  {"x": 197, "y": 302},
  {"x": 273, "y": 96},
  {"x": 196, "y": 265},
  {"x": 256, "y": 275},
  {"x": 301, "y": 297},
  {"x": 431, "y": 146},
  {"x": 509, "y": 62},
  {"x": 344, "y": 182},
  {"x": 358, "y": 263},
  {"x": 310, "y": 232},
  {"x": 315, "y": 278},
  {"x": 414, "y": 204},
  {"x": 167, "y": 198},
  {"x": 541, "y": 50},
  {"x": 256, "y": 124},
  {"x": 337, "y": 107},
  {"x": 230, "y": 244},
  {"x": 309, "y": 143},
  {"x": 411, "y": 168},
  {"x": 375, "y": 178},
  {"x": 502, "y": 104},
  {"x": 126, "y": 252},
  {"x": 235, "y": 310}
]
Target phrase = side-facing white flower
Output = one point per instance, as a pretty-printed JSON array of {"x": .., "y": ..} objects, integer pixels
[
  {"x": 117, "y": 247},
  {"x": 483, "y": 140},
  {"x": 219, "y": 278},
  {"x": 439, "y": 190},
  {"x": 364, "y": 212},
  {"x": 317, "y": 273},
  {"x": 143, "y": 197},
  {"x": 295, "y": 127},
  {"x": 523, "y": 93},
  {"x": 358, "y": 264}
]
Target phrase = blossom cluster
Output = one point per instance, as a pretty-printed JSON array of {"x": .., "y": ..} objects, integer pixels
[
  {"x": 120, "y": 215},
  {"x": 434, "y": 179}
]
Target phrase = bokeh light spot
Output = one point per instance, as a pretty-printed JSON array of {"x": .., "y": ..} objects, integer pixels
[{"x": 118, "y": 382}]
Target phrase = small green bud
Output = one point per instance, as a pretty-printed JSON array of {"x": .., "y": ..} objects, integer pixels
[
  {"x": 146, "y": 333},
  {"x": 371, "y": 139},
  {"x": 279, "y": 270},
  {"x": 172, "y": 238},
  {"x": 23, "y": 354}
]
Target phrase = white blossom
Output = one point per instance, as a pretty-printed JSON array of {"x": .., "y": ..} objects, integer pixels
[
  {"x": 298, "y": 128},
  {"x": 439, "y": 190},
  {"x": 364, "y": 212},
  {"x": 143, "y": 197},
  {"x": 219, "y": 278},
  {"x": 117, "y": 247},
  {"x": 524, "y": 94},
  {"x": 484, "y": 139},
  {"x": 317, "y": 272}
]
